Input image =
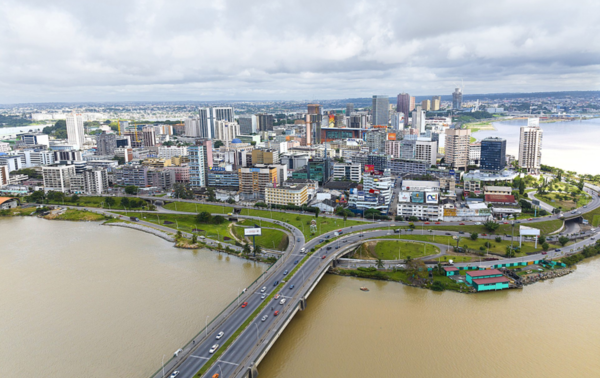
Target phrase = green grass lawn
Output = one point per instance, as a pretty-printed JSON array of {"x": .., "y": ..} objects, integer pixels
[
  {"x": 79, "y": 215},
  {"x": 186, "y": 223},
  {"x": 301, "y": 221},
  {"x": 390, "y": 250},
  {"x": 199, "y": 207},
  {"x": 545, "y": 227},
  {"x": 457, "y": 258},
  {"x": 562, "y": 202},
  {"x": 593, "y": 217},
  {"x": 271, "y": 239},
  {"x": 92, "y": 201}
]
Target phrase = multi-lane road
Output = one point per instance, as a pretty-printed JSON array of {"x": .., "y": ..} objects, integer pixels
[{"x": 234, "y": 360}]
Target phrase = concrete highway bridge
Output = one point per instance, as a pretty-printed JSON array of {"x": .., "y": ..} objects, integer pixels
[{"x": 249, "y": 332}]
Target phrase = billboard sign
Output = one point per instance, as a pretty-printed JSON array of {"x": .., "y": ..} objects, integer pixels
[
  {"x": 252, "y": 231},
  {"x": 417, "y": 197},
  {"x": 255, "y": 170},
  {"x": 452, "y": 173},
  {"x": 391, "y": 136},
  {"x": 431, "y": 197},
  {"x": 369, "y": 168},
  {"x": 404, "y": 197},
  {"x": 533, "y": 122}
]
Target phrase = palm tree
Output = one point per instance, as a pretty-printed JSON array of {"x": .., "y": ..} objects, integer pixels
[
  {"x": 257, "y": 250},
  {"x": 379, "y": 263}
]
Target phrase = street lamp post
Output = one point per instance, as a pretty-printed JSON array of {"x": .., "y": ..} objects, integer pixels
[
  {"x": 206, "y": 325},
  {"x": 163, "y": 365}
]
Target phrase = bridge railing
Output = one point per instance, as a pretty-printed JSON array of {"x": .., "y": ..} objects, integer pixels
[{"x": 217, "y": 320}]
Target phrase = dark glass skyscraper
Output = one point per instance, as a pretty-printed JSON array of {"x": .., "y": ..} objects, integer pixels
[
  {"x": 493, "y": 154},
  {"x": 403, "y": 106}
]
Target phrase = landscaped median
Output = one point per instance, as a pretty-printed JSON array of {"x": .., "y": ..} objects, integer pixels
[{"x": 247, "y": 322}]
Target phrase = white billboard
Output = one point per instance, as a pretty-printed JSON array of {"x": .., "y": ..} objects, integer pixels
[
  {"x": 252, "y": 231},
  {"x": 432, "y": 197},
  {"x": 404, "y": 197},
  {"x": 533, "y": 122}
]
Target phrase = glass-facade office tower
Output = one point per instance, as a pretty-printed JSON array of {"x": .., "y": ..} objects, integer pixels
[{"x": 493, "y": 154}]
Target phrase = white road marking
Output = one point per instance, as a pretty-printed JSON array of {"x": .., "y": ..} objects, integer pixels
[
  {"x": 203, "y": 358},
  {"x": 230, "y": 363}
]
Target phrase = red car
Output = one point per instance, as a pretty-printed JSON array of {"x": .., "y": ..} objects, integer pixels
[
  {"x": 462, "y": 224},
  {"x": 244, "y": 304},
  {"x": 437, "y": 222},
  {"x": 426, "y": 222},
  {"x": 323, "y": 257},
  {"x": 544, "y": 253},
  {"x": 276, "y": 313},
  {"x": 530, "y": 219},
  {"x": 505, "y": 222},
  {"x": 483, "y": 234}
]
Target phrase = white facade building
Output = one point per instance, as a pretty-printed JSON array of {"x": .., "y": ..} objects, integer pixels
[
  {"x": 530, "y": 146},
  {"x": 172, "y": 151},
  {"x": 58, "y": 177},
  {"x": 226, "y": 131},
  {"x": 347, "y": 171},
  {"x": 75, "y": 132}
]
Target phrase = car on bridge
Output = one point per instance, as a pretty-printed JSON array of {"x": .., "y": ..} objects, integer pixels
[
  {"x": 175, "y": 374},
  {"x": 276, "y": 313},
  {"x": 263, "y": 296},
  {"x": 282, "y": 301},
  {"x": 277, "y": 296},
  {"x": 244, "y": 304},
  {"x": 263, "y": 289},
  {"x": 323, "y": 257},
  {"x": 275, "y": 283},
  {"x": 264, "y": 318},
  {"x": 295, "y": 262},
  {"x": 285, "y": 272},
  {"x": 214, "y": 348},
  {"x": 220, "y": 334},
  {"x": 291, "y": 287}
]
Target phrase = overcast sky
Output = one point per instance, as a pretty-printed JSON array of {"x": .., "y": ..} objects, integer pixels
[{"x": 105, "y": 50}]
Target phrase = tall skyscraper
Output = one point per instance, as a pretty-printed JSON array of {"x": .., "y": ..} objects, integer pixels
[
  {"x": 265, "y": 122},
  {"x": 426, "y": 105},
  {"x": 226, "y": 131},
  {"x": 403, "y": 106},
  {"x": 106, "y": 143},
  {"x": 457, "y": 147},
  {"x": 435, "y": 102},
  {"x": 149, "y": 136},
  {"x": 381, "y": 105},
  {"x": 398, "y": 121},
  {"x": 248, "y": 124},
  {"x": 200, "y": 157},
  {"x": 208, "y": 117},
  {"x": 192, "y": 126},
  {"x": 314, "y": 118},
  {"x": 349, "y": 109},
  {"x": 530, "y": 146},
  {"x": 412, "y": 104},
  {"x": 75, "y": 132},
  {"x": 493, "y": 154},
  {"x": 418, "y": 119},
  {"x": 457, "y": 98}
]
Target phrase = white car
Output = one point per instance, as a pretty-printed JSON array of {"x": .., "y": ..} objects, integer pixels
[
  {"x": 175, "y": 374},
  {"x": 220, "y": 334},
  {"x": 264, "y": 318},
  {"x": 263, "y": 296},
  {"x": 263, "y": 289},
  {"x": 214, "y": 348},
  {"x": 282, "y": 301}
]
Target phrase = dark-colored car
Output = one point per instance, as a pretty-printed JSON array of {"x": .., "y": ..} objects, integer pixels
[{"x": 276, "y": 283}]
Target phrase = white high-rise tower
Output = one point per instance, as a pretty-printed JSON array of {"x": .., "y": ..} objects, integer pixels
[
  {"x": 75, "y": 133},
  {"x": 530, "y": 146}
]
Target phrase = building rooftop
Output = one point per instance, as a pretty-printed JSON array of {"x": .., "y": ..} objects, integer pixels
[
  {"x": 500, "y": 198},
  {"x": 479, "y": 273},
  {"x": 450, "y": 268},
  {"x": 497, "y": 188},
  {"x": 491, "y": 280},
  {"x": 411, "y": 183}
]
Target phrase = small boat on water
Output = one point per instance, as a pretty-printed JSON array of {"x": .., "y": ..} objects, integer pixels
[{"x": 364, "y": 289}]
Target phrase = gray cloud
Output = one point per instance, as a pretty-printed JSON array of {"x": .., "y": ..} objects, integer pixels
[{"x": 70, "y": 50}]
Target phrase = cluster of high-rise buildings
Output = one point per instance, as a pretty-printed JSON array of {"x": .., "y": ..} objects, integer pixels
[{"x": 351, "y": 156}]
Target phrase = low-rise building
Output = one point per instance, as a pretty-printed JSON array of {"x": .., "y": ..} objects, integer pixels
[
  {"x": 486, "y": 280},
  {"x": 286, "y": 194},
  {"x": 501, "y": 190}
]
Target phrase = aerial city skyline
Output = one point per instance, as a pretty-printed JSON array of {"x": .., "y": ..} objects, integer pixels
[{"x": 233, "y": 189}]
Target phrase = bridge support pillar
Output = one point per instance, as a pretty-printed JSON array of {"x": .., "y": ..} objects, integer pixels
[
  {"x": 334, "y": 263},
  {"x": 302, "y": 304},
  {"x": 252, "y": 372}
]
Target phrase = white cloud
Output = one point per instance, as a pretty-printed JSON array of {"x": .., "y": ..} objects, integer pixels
[{"x": 69, "y": 50}]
